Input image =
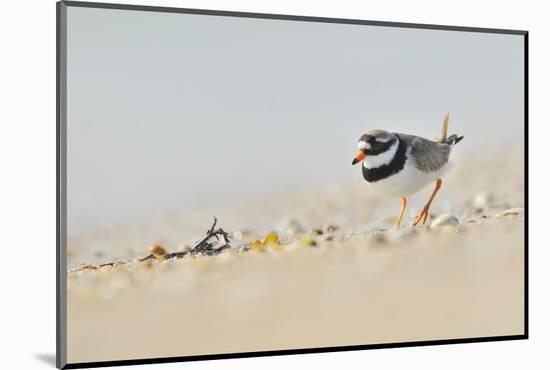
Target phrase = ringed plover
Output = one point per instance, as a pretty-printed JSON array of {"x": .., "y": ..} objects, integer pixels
[{"x": 401, "y": 164}]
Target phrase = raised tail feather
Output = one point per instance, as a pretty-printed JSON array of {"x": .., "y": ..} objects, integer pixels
[
  {"x": 451, "y": 140},
  {"x": 443, "y": 138}
]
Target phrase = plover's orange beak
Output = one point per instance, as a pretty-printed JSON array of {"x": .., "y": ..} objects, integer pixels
[{"x": 359, "y": 157}]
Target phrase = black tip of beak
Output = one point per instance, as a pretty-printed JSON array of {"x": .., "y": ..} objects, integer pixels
[{"x": 355, "y": 160}]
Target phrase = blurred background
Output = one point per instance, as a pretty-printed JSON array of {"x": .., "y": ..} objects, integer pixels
[{"x": 171, "y": 111}]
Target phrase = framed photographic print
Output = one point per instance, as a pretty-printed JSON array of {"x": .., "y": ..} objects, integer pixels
[{"x": 236, "y": 184}]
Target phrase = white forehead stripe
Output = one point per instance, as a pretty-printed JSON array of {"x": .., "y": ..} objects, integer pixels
[
  {"x": 383, "y": 139},
  {"x": 363, "y": 145}
]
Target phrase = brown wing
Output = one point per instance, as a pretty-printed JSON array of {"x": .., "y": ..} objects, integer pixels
[{"x": 430, "y": 156}]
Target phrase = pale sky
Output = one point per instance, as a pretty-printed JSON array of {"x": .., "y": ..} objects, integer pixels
[{"x": 169, "y": 110}]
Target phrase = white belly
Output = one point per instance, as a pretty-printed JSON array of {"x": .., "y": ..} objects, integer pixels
[{"x": 407, "y": 181}]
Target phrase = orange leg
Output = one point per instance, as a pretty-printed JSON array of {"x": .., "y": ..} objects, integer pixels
[
  {"x": 403, "y": 206},
  {"x": 424, "y": 214}
]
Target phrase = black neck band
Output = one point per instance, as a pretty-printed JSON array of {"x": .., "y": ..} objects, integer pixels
[{"x": 396, "y": 164}]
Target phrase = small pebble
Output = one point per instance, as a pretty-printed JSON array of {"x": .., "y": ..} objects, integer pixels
[
  {"x": 257, "y": 246},
  {"x": 307, "y": 241},
  {"x": 476, "y": 220},
  {"x": 510, "y": 212},
  {"x": 329, "y": 229},
  {"x": 244, "y": 248},
  {"x": 86, "y": 266},
  {"x": 271, "y": 238},
  {"x": 157, "y": 250},
  {"x": 483, "y": 201},
  {"x": 444, "y": 220},
  {"x": 290, "y": 226}
]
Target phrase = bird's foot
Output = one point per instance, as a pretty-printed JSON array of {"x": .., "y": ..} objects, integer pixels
[{"x": 423, "y": 216}]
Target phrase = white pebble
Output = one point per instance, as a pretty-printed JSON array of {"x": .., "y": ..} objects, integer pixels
[
  {"x": 445, "y": 219},
  {"x": 290, "y": 226},
  {"x": 483, "y": 201},
  {"x": 510, "y": 212}
]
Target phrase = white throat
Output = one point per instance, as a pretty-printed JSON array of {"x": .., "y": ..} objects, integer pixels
[{"x": 375, "y": 161}]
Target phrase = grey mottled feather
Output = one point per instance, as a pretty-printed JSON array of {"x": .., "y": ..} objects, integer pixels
[{"x": 430, "y": 156}]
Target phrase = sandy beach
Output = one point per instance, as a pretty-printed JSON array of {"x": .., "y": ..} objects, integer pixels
[{"x": 337, "y": 275}]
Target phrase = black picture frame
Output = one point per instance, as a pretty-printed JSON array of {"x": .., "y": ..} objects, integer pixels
[{"x": 61, "y": 187}]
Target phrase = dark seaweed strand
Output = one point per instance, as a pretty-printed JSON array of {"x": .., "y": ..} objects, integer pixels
[
  {"x": 202, "y": 247},
  {"x": 396, "y": 165}
]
